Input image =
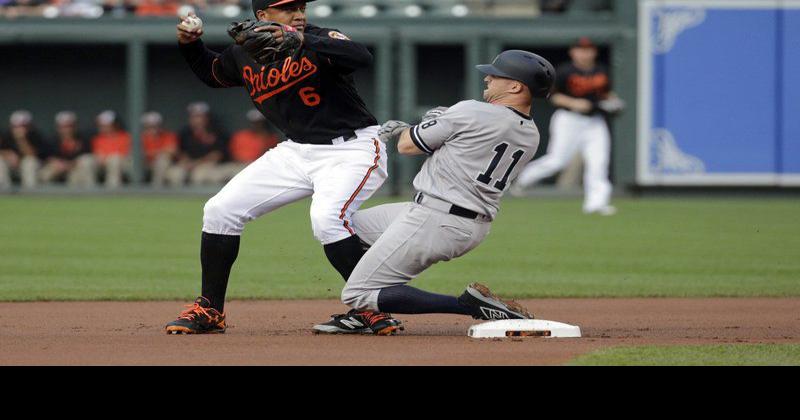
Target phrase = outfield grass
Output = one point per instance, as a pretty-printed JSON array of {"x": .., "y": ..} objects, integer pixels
[
  {"x": 717, "y": 355},
  {"x": 131, "y": 248}
]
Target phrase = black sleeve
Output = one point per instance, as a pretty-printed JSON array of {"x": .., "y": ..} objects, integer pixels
[
  {"x": 339, "y": 50},
  {"x": 214, "y": 69}
]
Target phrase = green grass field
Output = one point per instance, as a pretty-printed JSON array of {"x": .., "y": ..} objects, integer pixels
[
  {"x": 720, "y": 355},
  {"x": 144, "y": 248}
]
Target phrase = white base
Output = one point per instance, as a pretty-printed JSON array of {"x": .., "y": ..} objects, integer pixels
[{"x": 524, "y": 328}]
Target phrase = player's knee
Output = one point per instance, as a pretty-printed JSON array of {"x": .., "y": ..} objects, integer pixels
[
  {"x": 356, "y": 298},
  {"x": 327, "y": 226},
  {"x": 349, "y": 296},
  {"x": 218, "y": 218}
]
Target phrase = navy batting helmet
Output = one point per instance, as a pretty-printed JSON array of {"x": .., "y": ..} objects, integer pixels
[{"x": 533, "y": 70}]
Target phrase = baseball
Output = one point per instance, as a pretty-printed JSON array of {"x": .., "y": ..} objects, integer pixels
[{"x": 192, "y": 23}]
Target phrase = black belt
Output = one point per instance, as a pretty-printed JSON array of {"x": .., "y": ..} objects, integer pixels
[
  {"x": 454, "y": 209},
  {"x": 341, "y": 139}
]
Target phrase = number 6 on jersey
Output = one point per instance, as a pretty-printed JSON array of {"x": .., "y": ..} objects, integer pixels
[{"x": 309, "y": 96}]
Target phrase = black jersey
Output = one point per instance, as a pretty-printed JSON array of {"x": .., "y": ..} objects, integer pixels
[
  {"x": 593, "y": 85},
  {"x": 310, "y": 96},
  {"x": 69, "y": 148},
  {"x": 41, "y": 148}
]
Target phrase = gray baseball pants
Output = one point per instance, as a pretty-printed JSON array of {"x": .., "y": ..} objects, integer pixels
[{"x": 406, "y": 239}]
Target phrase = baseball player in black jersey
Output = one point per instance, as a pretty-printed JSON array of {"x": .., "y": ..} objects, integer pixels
[
  {"x": 583, "y": 97},
  {"x": 332, "y": 152}
]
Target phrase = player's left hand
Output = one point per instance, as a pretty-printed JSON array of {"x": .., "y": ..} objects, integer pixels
[
  {"x": 266, "y": 41},
  {"x": 611, "y": 106},
  {"x": 391, "y": 130}
]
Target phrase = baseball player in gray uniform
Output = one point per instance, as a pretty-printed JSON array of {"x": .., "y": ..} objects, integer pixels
[{"x": 476, "y": 150}]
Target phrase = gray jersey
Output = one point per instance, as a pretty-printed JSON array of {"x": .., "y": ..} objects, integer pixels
[{"x": 477, "y": 149}]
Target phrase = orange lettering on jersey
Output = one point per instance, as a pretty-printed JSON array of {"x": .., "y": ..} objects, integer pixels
[
  {"x": 585, "y": 85},
  {"x": 268, "y": 83}
]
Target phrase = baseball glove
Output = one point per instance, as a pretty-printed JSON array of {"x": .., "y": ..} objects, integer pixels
[
  {"x": 391, "y": 130},
  {"x": 611, "y": 106},
  {"x": 263, "y": 46}
]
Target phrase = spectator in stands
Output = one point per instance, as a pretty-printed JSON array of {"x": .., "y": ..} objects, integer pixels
[
  {"x": 111, "y": 148},
  {"x": 22, "y": 8},
  {"x": 22, "y": 149},
  {"x": 226, "y": 8},
  {"x": 160, "y": 147},
  {"x": 582, "y": 6},
  {"x": 157, "y": 8},
  {"x": 70, "y": 157},
  {"x": 91, "y": 9},
  {"x": 8, "y": 158},
  {"x": 247, "y": 145},
  {"x": 119, "y": 8},
  {"x": 202, "y": 148}
]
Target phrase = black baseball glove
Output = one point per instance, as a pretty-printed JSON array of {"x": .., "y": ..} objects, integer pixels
[{"x": 263, "y": 45}]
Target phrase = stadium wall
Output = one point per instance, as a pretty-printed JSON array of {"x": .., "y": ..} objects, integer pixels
[{"x": 133, "y": 65}]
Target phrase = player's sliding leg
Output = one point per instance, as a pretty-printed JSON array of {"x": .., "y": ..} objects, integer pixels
[
  {"x": 265, "y": 185},
  {"x": 369, "y": 224},
  {"x": 372, "y": 224},
  {"x": 417, "y": 239},
  {"x": 354, "y": 170}
]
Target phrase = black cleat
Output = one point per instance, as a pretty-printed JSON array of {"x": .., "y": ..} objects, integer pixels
[
  {"x": 355, "y": 322},
  {"x": 200, "y": 318},
  {"x": 487, "y": 306}
]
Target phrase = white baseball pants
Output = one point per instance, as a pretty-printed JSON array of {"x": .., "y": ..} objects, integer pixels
[
  {"x": 338, "y": 178},
  {"x": 570, "y": 133}
]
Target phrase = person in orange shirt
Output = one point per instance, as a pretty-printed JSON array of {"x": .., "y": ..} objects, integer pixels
[
  {"x": 160, "y": 147},
  {"x": 157, "y": 8},
  {"x": 247, "y": 145},
  {"x": 111, "y": 148}
]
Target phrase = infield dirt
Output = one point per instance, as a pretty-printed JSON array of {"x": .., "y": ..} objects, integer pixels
[{"x": 278, "y": 333}]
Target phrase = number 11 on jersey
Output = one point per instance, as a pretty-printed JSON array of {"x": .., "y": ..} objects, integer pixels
[{"x": 500, "y": 151}]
